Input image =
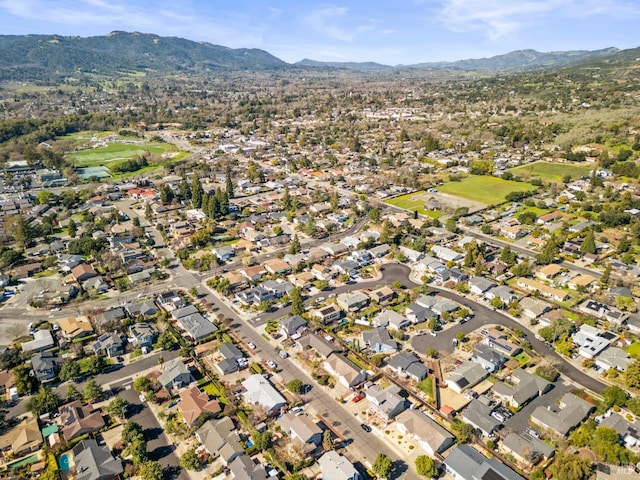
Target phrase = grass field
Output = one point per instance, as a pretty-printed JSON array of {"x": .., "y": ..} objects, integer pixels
[
  {"x": 634, "y": 349},
  {"x": 113, "y": 152},
  {"x": 552, "y": 172},
  {"x": 414, "y": 201},
  {"x": 483, "y": 189}
]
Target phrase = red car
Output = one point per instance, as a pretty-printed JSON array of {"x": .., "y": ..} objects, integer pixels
[{"x": 357, "y": 398}]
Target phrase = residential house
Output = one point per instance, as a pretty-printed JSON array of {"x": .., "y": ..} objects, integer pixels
[
  {"x": 490, "y": 359},
  {"x": 523, "y": 388},
  {"x": 467, "y": 375},
  {"x": 275, "y": 266},
  {"x": 585, "y": 281},
  {"x": 95, "y": 284},
  {"x": 293, "y": 327},
  {"x": 533, "y": 308},
  {"x": 146, "y": 308},
  {"x": 321, "y": 345},
  {"x": 73, "y": 328},
  {"x": 391, "y": 319},
  {"x": 301, "y": 427},
  {"x": 479, "y": 285},
  {"x": 243, "y": 468},
  {"x": 547, "y": 291},
  {"x": 432, "y": 438},
  {"x": 254, "y": 273},
  {"x": 220, "y": 438},
  {"x": 83, "y": 272},
  {"x": 386, "y": 403},
  {"x": 589, "y": 341},
  {"x": 504, "y": 293},
  {"x": 379, "y": 251},
  {"x": 22, "y": 439},
  {"x": 408, "y": 364},
  {"x": 378, "y": 340},
  {"x": 549, "y": 218},
  {"x": 498, "y": 340},
  {"x": 224, "y": 253},
  {"x": 549, "y": 272},
  {"x": 259, "y": 391},
  {"x": 42, "y": 340},
  {"x": 563, "y": 417},
  {"x": 352, "y": 301},
  {"x": 528, "y": 451},
  {"x": 478, "y": 415},
  {"x": 512, "y": 232},
  {"x": 95, "y": 462},
  {"x": 446, "y": 254},
  {"x": 466, "y": 463},
  {"x": 170, "y": 301},
  {"x": 334, "y": 249},
  {"x": 328, "y": 314},
  {"x": 322, "y": 272},
  {"x": 417, "y": 313},
  {"x": 46, "y": 366},
  {"x": 143, "y": 334},
  {"x": 347, "y": 373},
  {"x": 230, "y": 352},
  {"x": 111, "y": 317},
  {"x": 629, "y": 431},
  {"x": 194, "y": 403},
  {"x": 410, "y": 254},
  {"x": 28, "y": 270},
  {"x": 76, "y": 419},
  {"x": 109, "y": 344},
  {"x": 383, "y": 295},
  {"x": 613, "y": 358},
  {"x": 175, "y": 374},
  {"x": 302, "y": 279},
  {"x": 334, "y": 466},
  {"x": 196, "y": 326}
]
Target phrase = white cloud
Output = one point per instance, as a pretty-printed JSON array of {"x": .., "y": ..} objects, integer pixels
[{"x": 325, "y": 21}]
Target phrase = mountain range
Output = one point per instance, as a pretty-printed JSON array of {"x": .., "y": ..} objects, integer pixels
[{"x": 53, "y": 57}]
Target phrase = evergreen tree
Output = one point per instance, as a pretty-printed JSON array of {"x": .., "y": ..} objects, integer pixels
[
  {"x": 22, "y": 233},
  {"x": 197, "y": 192},
  {"x": 549, "y": 252},
  {"x": 287, "y": 203},
  {"x": 297, "y": 304},
  {"x": 229, "y": 184},
  {"x": 166, "y": 194},
  {"x": 72, "y": 228},
  {"x": 295, "y": 248},
  {"x": 185, "y": 191},
  {"x": 334, "y": 201},
  {"x": 589, "y": 243}
]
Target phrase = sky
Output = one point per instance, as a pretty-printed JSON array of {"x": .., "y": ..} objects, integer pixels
[{"x": 391, "y": 32}]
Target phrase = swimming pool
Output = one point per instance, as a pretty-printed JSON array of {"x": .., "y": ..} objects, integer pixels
[{"x": 65, "y": 462}]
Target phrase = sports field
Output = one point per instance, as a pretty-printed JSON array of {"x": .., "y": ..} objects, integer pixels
[
  {"x": 484, "y": 189},
  {"x": 551, "y": 172},
  {"x": 414, "y": 201},
  {"x": 114, "y": 152}
]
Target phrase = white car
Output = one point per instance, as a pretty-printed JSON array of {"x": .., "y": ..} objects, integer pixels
[
  {"x": 272, "y": 364},
  {"x": 55, "y": 309},
  {"x": 432, "y": 333},
  {"x": 251, "y": 345},
  {"x": 319, "y": 299}
]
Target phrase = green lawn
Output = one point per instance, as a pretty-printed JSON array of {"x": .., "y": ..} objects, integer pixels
[
  {"x": 426, "y": 386},
  {"x": 634, "y": 349},
  {"x": 113, "y": 152},
  {"x": 552, "y": 172},
  {"x": 414, "y": 201},
  {"x": 484, "y": 189}
]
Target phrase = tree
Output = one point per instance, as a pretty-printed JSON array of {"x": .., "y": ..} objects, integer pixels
[
  {"x": 229, "y": 183},
  {"x": 295, "y": 385},
  {"x": 22, "y": 232},
  {"x": 131, "y": 431},
  {"x": 570, "y": 467},
  {"x": 426, "y": 467},
  {"x": 632, "y": 374},
  {"x": 614, "y": 396},
  {"x": 72, "y": 228},
  {"x": 142, "y": 384},
  {"x": 72, "y": 393},
  {"x": 138, "y": 450},
  {"x": 189, "y": 460},
  {"x": 24, "y": 380},
  {"x": 497, "y": 302},
  {"x": 327, "y": 440},
  {"x": 432, "y": 352},
  {"x": 197, "y": 192},
  {"x": 589, "y": 243},
  {"x": 295, "y": 248},
  {"x": 452, "y": 225},
  {"x": 507, "y": 256},
  {"x": 383, "y": 466},
  {"x": 297, "y": 304},
  {"x": 548, "y": 254},
  {"x": 151, "y": 470},
  {"x": 262, "y": 441},
  {"x": 92, "y": 392},
  {"x": 117, "y": 407},
  {"x": 334, "y": 201},
  {"x": 432, "y": 324},
  {"x": 166, "y": 340},
  {"x": 95, "y": 364},
  {"x": 166, "y": 194},
  {"x": 44, "y": 401},
  {"x": 70, "y": 370}
]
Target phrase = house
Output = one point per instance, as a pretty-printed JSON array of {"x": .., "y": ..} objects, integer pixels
[
  {"x": 589, "y": 341},
  {"x": 254, "y": 273},
  {"x": 230, "y": 352},
  {"x": 110, "y": 317},
  {"x": 378, "y": 340},
  {"x": 76, "y": 419},
  {"x": 95, "y": 462},
  {"x": 334, "y": 466},
  {"x": 512, "y": 232},
  {"x": 379, "y": 251},
  {"x": 499, "y": 341},
  {"x": 322, "y": 272},
  {"x": 417, "y": 313},
  {"x": 82, "y": 272},
  {"x": 504, "y": 293},
  {"x": 347, "y": 373},
  {"x": 529, "y": 450},
  {"x": 581, "y": 281},
  {"x": 224, "y": 253},
  {"x": 524, "y": 387},
  {"x": 146, "y": 308},
  {"x": 386, "y": 403},
  {"x": 109, "y": 344},
  {"x": 629, "y": 431},
  {"x": 478, "y": 415},
  {"x": 73, "y": 328},
  {"x": 46, "y": 366},
  {"x": 243, "y": 468},
  {"x": 533, "y": 308},
  {"x": 334, "y": 249},
  {"x": 42, "y": 340},
  {"x": 563, "y": 417},
  {"x": 328, "y": 314},
  {"x": 432, "y": 438},
  {"x": 301, "y": 427},
  {"x": 547, "y": 291},
  {"x": 479, "y": 285},
  {"x": 196, "y": 326},
  {"x": 549, "y": 218},
  {"x": 293, "y": 326},
  {"x": 410, "y": 254},
  {"x": 467, "y": 375},
  {"x": 446, "y": 254},
  {"x": 96, "y": 284},
  {"x": 220, "y": 438},
  {"x": 170, "y": 301},
  {"x": 490, "y": 359},
  {"x": 549, "y": 272},
  {"x": 175, "y": 374},
  {"x": 28, "y": 270},
  {"x": 143, "y": 334},
  {"x": 321, "y": 345},
  {"x": 275, "y": 266},
  {"x": 408, "y": 363},
  {"x": 383, "y": 295},
  {"x": 391, "y": 319},
  {"x": 259, "y": 391},
  {"x": 22, "y": 439},
  {"x": 194, "y": 403},
  {"x": 613, "y": 358},
  {"x": 352, "y": 301},
  {"x": 466, "y": 463}
]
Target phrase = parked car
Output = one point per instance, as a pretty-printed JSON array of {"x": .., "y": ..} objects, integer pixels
[
  {"x": 365, "y": 427},
  {"x": 251, "y": 345},
  {"x": 432, "y": 333},
  {"x": 357, "y": 397},
  {"x": 272, "y": 364}
]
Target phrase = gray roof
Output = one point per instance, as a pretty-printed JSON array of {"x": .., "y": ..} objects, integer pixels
[
  {"x": 478, "y": 414},
  {"x": 260, "y": 391},
  {"x": 467, "y": 375},
  {"x": 564, "y": 417},
  {"x": 230, "y": 351},
  {"x": 95, "y": 462},
  {"x": 469, "y": 464},
  {"x": 379, "y": 336},
  {"x": 197, "y": 326},
  {"x": 184, "y": 311},
  {"x": 427, "y": 430},
  {"x": 319, "y": 344},
  {"x": 172, "y": 370},
  {"x": 293, "y": 324},
  {"x": 402, "y": 360},
  {"x": 481, "y": 283},
  {"x": 336, "y": 467},
  {"x": 530, "y": 448},
  {"x": 243, "y": 468}
]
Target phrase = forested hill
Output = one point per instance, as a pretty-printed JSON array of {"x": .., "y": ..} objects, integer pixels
[{"x": 51, "y": 57}]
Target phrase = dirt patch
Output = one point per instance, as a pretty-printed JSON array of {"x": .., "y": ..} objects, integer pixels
[{"x": 452, "y": 202}]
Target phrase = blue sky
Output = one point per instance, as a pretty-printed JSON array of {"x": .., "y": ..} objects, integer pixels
[{"x": 386, "y": 31}]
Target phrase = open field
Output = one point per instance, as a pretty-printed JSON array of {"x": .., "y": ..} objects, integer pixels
[
  {"x": 552, "y": 172},
  {"x": 415, "y": 201},
  {"x": 484, "y": 189},
  {"x": 113, "y": 152}
]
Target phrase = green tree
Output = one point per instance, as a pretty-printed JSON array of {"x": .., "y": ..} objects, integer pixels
[
  {"x": 568, "y": 466},
  {"x": 507, "y": 256},
  {"x": 197, "y": 192},
  {"x": 631, "y": 375},
  {"x": 189, "y": 460},
  {"x": 22, "y": 232},
  {"x": 432, "y": 352},
  {"x": 95, "y": 364},
  {"x": 614, "y": 396},
  {"x": 166, "y": 194},
  {"x": 70, "y": 370},
  {"x": 92, "y": 392},
  {"x": 228, "y": 183},
  {"x": 451, "y": 224},
  {"x": 151, "y": 470},
  {"x": 295, "y": 385},
  {"x": 72, "y": 393},
  {"x": 606, "y": 444},
  {"x": 131, "y": 431},
  {"x": 262, "y": 440},
  {"x": 142, "y": 384},
  {"x": 334, "y": 201},
  {"x": 383, "y": 466},
  {"x": 295, "y": 248},
  {"x": 589, "y": 243},
  {"x": 297, "y": 304},
  {"x": 497, "y": 302},
  {"x": 72, "y": 228},
  {"x": 44, "y": 401},
  {"x": 549, "y": 252},
  {"x": 117, "y": 407},
  {"x": 426, "y": 467},
  {"x": 138, "y": 450},
  {"x": 327, "y": 440},
  {"x": 166, "y": 340},
  {"x": 24, "y": 380}
]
